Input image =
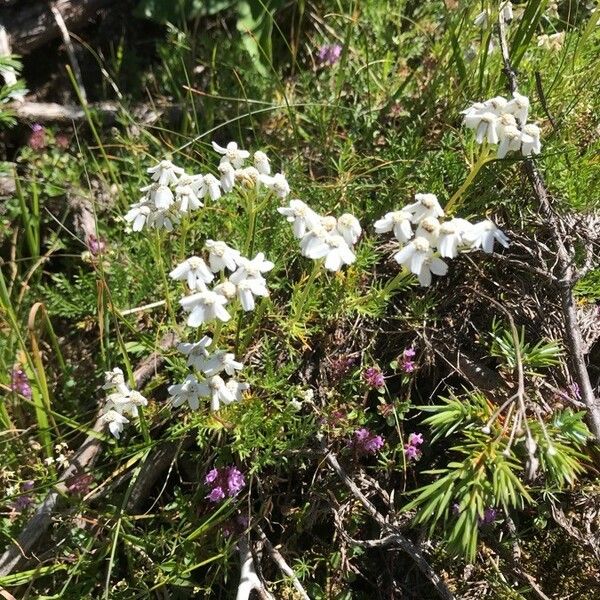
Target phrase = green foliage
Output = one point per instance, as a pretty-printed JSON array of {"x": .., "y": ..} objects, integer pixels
[{"x": 540, "y": 355}]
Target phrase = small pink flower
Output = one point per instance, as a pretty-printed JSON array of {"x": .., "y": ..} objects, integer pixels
[{"x": 374, "y": 377}]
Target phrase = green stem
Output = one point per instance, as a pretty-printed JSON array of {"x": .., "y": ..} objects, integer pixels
[
  {"x": 163, "y": 275},
  {"x": 299, "y": 306},
  {"x": 484, "y": 156}
]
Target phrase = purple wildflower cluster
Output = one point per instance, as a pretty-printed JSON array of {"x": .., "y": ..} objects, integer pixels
[
  {"x": 339, "y": 367},
  {"x": 412, "y": 449},
  {"x": 329, "y": 54},
  {"x": 226, "y": 482},
  {"x": 96, "y": 245},
  {"x": 408, "y": 365},
  {"x": 489, "y": 516},
  {"x": 37, "y": 137},
  {"x": 19, "y": 383},
  {"x": 373, "y": 377},
  {"x": 365, "y": 442},
  {"x": 23, "y": 501}
]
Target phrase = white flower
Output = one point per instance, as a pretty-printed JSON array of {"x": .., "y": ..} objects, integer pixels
[
  {"x": 145, "y": 214},
  {"x": 484, "y": 234},
  {"x": 249, "y": 269},
  {"x": 232, "y": 154},
  {"x": 138, "y": 215},
  {"x": 220, "y": 393},
  {"x": 349, "y": 228},
  {"x": 190, "y": 392},
  {"x": 204, "y": 307},
  {"x": 531, "y": 140},
  {"x": 485, "y": 125},
  {"x": 227, "y": 176},
  {"x": 187, "y": 199},
  {"x": 332, "y": 247},
  {"x": 398, "y": 221},
  {"x": 196, "y": 352},
  {"x": 212, "y": 187},
  {"x": 418, "y": 257},
  {"x": 429, "y": 228},
  {"x": 553, "y": 42},
  {"x": 519, "y": 107},
  {"x": 481, "y": 19},
  {"x": 506, "y": 10},
  {"x": 218, "y": 362},
  {"x": 115, "y": 379},
  {"x": 237, "y": 388},
  {"x": 261, "y": 162},
  {"x": 193, "y": 270},
  {"x": 226, "y": 289},
  {"x": 126, "y": 403},
  {"x": 512, "y": 139},
  {"x": 165, "y": 172},
  {"x": 115, "y": 422},
  {"x": 248, "y": 288},
  {"x": 277, "y": 184},
  {"x": 295, "y": 405},
  {"x": 497, "y": 104},
  {"x": 159, "y": 195},
  {"x": 247, "y": 177},
  {"x": 302, "y": 216},
  {"x": 426, "y": 205},
  {"x": 451, "y": 237},
  {"x": 221, "y": 256},
  {"x": 505, "y": 120}
]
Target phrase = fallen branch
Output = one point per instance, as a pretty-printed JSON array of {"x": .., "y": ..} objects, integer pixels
[
  {"x": 82, "y": 460},
  {"x": 249, "y": 579},
  {"x": 393, "y": 533},
  {"x": 567, "y": 272},
  {"x": 282, "y": 564}
]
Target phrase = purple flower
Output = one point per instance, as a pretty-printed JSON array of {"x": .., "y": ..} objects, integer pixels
[
  {"x": 489, "y": 516},
  {"x": 412, "y": 452},
  {"x": 225, "y": 482},
  {"x": 24, "y": 500},
  {"x": 329, "y": 54},
  {"x": 37, "y": 138},
  {"x": 408, "y": 365},
  {"x": 374, "y": 377},
  {"x": 19, "y": 383},
  {"x": 415, "y": 439},
  {"x": 79, "y": 484},
  {"x": 96, "y": 245},
  {"x": 365, "y": 442},
  {"x": 412, "y": 449}
]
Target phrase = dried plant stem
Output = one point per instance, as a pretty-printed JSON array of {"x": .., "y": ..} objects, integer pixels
[
  {"x": 249, "y": 579},
  {"x": 567, "y": 272},
  {"x": 282, "y": 564},
  {"x": 394, "y": 534}
]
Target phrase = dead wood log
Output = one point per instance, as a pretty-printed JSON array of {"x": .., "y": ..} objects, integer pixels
[{"x": 32, "y": 25}]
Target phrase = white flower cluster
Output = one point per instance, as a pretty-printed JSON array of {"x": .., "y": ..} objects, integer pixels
[
  {"x": 245, "y": 282},
  {"x": 120, "y": 402},
  {"x": 432, "y": 238},
  {"x": 174, "y": 193},
  {"x": 503, "y": 122},
  {"x": 323, "y": 236},
  {"x": 211, "y": 385}
]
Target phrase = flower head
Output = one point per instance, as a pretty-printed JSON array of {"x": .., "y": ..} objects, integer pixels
[
  {"x": 189, "y": 392},
  {"x": 302, "y": 216},
  {"x": 204, "y": 307},
  {"x": 165, "y": 173},
  {"x": 195, "y": 271},
  {"x": 196, "y": 352},
  {"x": 232, "y": 154},
  {"x": 374, "y": 377},
  {"x": 221, "y": 256},
  {"x": 398, "y": 221},
  {"x": 366, "y": 442},
  {"x": 225, "y": 482},
  {"x": 329, "y": 54},
  {"x": 426, "y": 205},
  {"x": 19, "y": 382},
  {"x": 408, "y": 366}
]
